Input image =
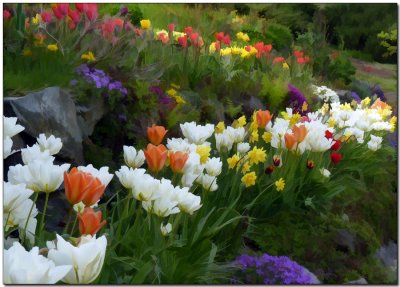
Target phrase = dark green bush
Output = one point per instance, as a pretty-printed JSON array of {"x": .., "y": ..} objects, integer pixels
[
  {"x": 279, "y": 35},
  {"x": 341, "y": 68}
]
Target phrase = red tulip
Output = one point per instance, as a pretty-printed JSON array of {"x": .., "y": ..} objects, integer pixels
[
  {"x": 171, "y": 27},
  {"x": 278, "y": 60},
  {"x": 46, "y": 16},
  {"x": 6, "y": 14},
  {"x": 328, "y": 134},
  {"x": 336, "y": 145},
  {"x": 336, "y": 157},
  {"x": 219, "y": 36},
  {"x": 188, "y": 30},
  {"x": 91, "y": 11},
  {"x": 183, "y": 41},
  {"x": 298, "y": 54},
  {"x": 75, "y": 16}
]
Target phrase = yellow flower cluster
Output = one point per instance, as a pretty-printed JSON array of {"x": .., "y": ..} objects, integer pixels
[
  {"x": 240, "y": 122},
  {"x": 174, "y": 94},
  {"x": 145, "y": 24},
  {"x": 89, "y": 56},
  {"x": 52, "y": 47},
  {"x": 256, "y": 155},
  {"x": 280, "y": 184},
  {"x": 204, "y": 152},
  {"x": 242, "y": 36}
]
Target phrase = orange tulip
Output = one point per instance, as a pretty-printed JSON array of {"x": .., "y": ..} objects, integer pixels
[
  {"x": 90, "y": 221},
  {"x": 155, "y": 157},
  {"x": 81, "y": 186},
  {"x": 156, "y": 134},
  {"x": 378, "y": 104},
  {"x": 263, "y": 118},
  {"x": 300, "y": 132},
  {"x": 290, "y": 141},
  {"x": 177, "y": 160}
]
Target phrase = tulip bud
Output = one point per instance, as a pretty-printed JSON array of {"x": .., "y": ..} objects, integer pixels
[
  {"x": 177, "y": 160},
  {"x": 269, "y": 169},
  {"x": 90, "y": 221},
  {"x": 336, "y": 157},
  {"x": 155, "y": 157},
  {"x": 310, "y": 164},
  {"x": 276, "y": 160}
]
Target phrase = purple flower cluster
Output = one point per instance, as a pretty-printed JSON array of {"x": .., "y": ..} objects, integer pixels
[
  {"x": 376, "y": 90},
  {"x": 269, "y": 269},
  {"x": 296, "y": 100},
  {"x": 163, "y": 98},
  {"x": 100, "y": 79},
  {"x": 355, "y": 97}
]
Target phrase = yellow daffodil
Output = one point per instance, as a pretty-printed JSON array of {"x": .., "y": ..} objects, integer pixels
[
  {"x": 240, "y": 122},
  {"x": 365, "y": 102},
  {"x": 346, "y": 107},
  {"x": 235, "y": 50},
  {"x": 249, "y": 179},
  {"x": 285, "y": 66},
  {"x": 232, "y": 161},
  {"x": 37, "y": 19},
  {"x": 204, "y": 152},
  {"x": 304, "y": 107},
  {"x": 175, "y": 86},
  {"x": 52, "y": 47},
  {"x": 280, "y": 184},
  {"x": 212, "y": 48},
  {"x": 220, "y": 127},
  {"x": 171, "y": 92},
  {"x": 89, "y": 56},
  {"x": 225, "y": 52},
  {"x": 27, "y": 52},
  {"x": 294, "y": 119},
  {"x": 246, "y": 167},
  {"x": 267, "y": 136},
  {"x": 145, "y": 24},
  {"x": 331, "y": 122},
  {"x": 257, "y": 155},
  {"x": 254, "y": 136},
  {"x": 393, "y": 122},
  {"x": 179, "y": 100}
]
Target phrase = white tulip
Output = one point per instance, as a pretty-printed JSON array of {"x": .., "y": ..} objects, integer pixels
[
  {"x": 126, "y": 175},
  {"x": 214, "y": 166},
  {"x": 133, "y": 158},
  {"x": 166, "y": 229},
  {"x": 243, "y": 148},
  {"x": 38, "y": 175},
  {"x": 51, "y": 144},
  {"x": 225, "y": 140},
  {"x": 197, "y": 134},
  {"x": 10, "y": 127},
  {"x": 161, "y": 207},
  {"x": 34, "y": 152},
  {"x": 16, "y": 208},
  {"x": 237, "y": 134},
  {"x": 375, "y": 143},
  {"x": 7, "y": 146},
  {"x": 209, "y": 182},
  {"x": 179, "y": 144},
  {"x": 326, "y": 173},
  {"x": 102, "y": 174},
  {"x": 23, "y": 267},
  {"x": 86, "y": 259},
  {"x": 145, "y": 187},
  {"x": 188, "y": 202}
]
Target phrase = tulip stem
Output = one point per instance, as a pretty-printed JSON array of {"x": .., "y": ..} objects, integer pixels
[
  {"x": 44, "y": 211},
  {"x": 69, "y": 220},
  {"x": 29, "y": 216},
  {"x": 73, "y": 226}
]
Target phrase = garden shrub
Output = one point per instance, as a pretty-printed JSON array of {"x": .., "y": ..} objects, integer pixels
[{"x": 279, "y": 35}]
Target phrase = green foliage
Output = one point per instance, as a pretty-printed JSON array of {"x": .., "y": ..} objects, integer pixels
[
  {"x": 274, "y": 91},
  {"x": 341, "y": 68},
  {"x": 279, "y": 35},
  {"x": 389, "y": 41},
  {"x": 242, "y": 9},
  {"x": 358, "y": 24}
]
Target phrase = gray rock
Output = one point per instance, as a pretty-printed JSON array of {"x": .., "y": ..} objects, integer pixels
[
  {"x": 345, "y": 239},
  {"x": 53, "y": 111},
  {"x": 314, "y": 278},
  {"x": 358, "y": 281},
  {"x": 387, "y": 254}
]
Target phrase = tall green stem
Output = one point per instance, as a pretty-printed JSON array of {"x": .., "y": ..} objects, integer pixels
[
  {"x": 29, "y": 216},
  {"x": 44, "y": 211}
]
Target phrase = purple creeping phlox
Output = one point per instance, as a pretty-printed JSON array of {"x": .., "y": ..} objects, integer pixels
[
  {"x": 100, "y": 79},
  {"x": 268, "y": 269},
  {"x": 297, "y": 100},
  {"x": 162, "y": 97}
]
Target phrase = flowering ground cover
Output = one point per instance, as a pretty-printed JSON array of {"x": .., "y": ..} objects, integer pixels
[{"x": 188, "y": 149}]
